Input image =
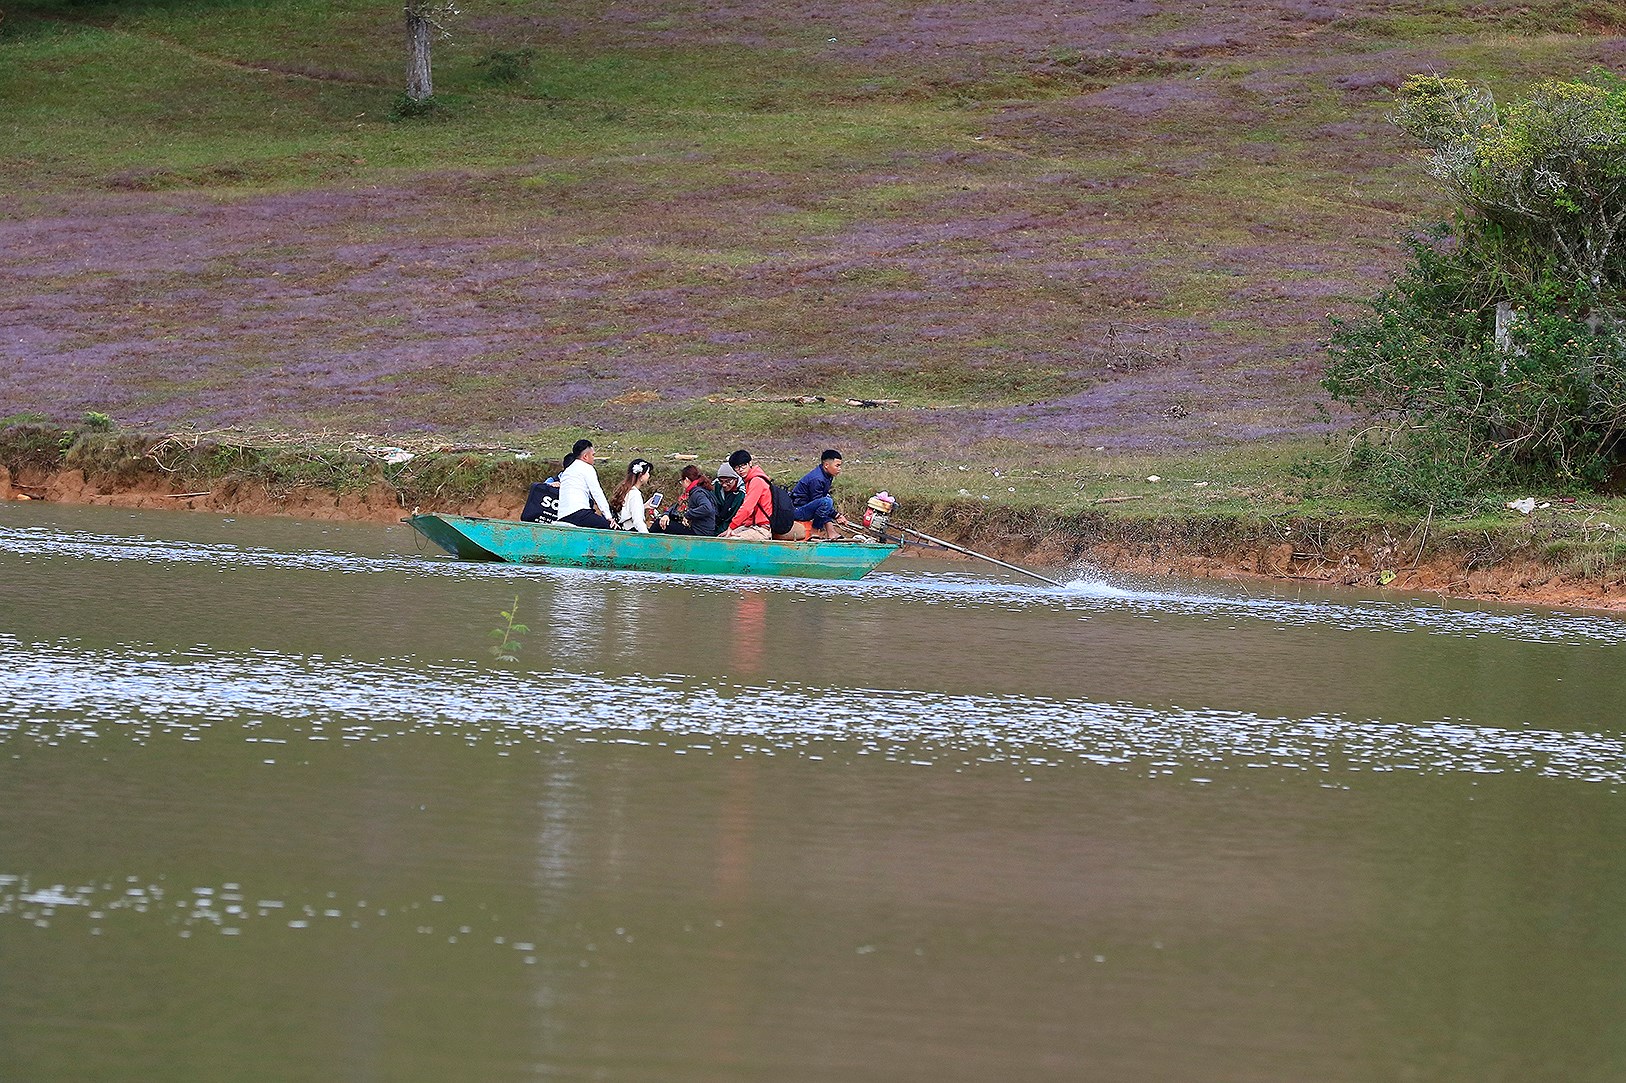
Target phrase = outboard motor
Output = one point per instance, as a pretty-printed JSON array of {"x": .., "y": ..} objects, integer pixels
[{"x": 877, "y": 513}]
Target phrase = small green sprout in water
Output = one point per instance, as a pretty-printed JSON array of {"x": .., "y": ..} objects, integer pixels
[
  {"x": 96, "y": 421},
  {"x": 509, "y": 636}
]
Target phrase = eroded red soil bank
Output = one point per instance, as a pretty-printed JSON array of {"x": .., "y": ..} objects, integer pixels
[{"x": 1446, "y": 572}]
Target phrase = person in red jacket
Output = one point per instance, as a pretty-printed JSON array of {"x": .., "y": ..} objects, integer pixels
[{"x": 754, "y": 520}]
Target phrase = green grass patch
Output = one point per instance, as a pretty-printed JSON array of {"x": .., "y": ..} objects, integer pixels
[
  {"x": 294, "y": 93},
  {"x": 798, "y": 223}
]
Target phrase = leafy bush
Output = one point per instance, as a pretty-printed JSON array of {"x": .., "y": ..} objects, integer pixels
[
  {"x": 1456, "y": 402},
  {"x": 502, "y": 67},
  {"x": 96, "y": 421},
  {"x": 404, "y": 107},
  {"x": 1548, "y": 173},
  {"x": 1453, "y": 409},
  {"x": 1428, "y": 466},
  {"x": 39, "y": 446}
]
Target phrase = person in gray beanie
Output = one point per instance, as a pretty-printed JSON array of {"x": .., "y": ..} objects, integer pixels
[{"x": 728, "y": 494}]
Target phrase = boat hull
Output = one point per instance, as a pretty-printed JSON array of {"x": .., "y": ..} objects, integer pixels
[{"x": 562, "y": 546}]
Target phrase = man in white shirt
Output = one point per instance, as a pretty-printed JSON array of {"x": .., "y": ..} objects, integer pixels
[{"x": 579, "y": 490}]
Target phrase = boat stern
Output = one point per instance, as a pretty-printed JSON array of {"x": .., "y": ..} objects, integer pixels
[{"x": 445, "y": 534}]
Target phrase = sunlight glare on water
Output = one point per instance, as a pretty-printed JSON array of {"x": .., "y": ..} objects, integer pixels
[
  {"x": 1091, "y": 592},
  {"x": 61, "y": 693},
  {"x": 935, "y": 824}
]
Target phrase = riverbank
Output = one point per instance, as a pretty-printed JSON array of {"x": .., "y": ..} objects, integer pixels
[{"x": 1563, "y": 554}]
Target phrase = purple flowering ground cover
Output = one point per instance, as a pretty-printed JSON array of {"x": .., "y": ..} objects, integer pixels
[{"x": 1062, "y": 226}]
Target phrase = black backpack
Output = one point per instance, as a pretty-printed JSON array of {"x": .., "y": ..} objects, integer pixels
[
  {"x": 542, "y": 504},
  {"x": 784, "y": 512}
]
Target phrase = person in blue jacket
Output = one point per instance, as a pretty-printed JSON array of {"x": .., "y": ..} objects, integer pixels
[{"x": 812, "y": 499}]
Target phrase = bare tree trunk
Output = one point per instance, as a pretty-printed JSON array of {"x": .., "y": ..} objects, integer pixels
[{"x": 419, "y": 85}]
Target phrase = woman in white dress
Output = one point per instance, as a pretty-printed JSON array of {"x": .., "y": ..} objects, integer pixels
[{"x": 628, "y": 499}]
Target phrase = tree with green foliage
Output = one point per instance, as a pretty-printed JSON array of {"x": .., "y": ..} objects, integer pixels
[
  {"x": 1552, "y": 167},
  {"x": 1499, "y": 355}
]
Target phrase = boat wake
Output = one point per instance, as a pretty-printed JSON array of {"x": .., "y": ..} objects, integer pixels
[{"x": 1085, "y": 596}]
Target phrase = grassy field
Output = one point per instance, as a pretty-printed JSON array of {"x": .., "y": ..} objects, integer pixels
[{"x": 1079, "y": 244}]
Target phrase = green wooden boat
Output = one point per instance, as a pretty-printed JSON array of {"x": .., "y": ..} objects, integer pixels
[{"x": 563, "y": 546}]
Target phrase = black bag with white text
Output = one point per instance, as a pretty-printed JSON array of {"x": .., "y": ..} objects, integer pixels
[{"x": 542, "y": 505}]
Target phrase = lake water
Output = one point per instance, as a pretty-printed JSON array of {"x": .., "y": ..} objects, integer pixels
[{"x": 271, "y": 810}]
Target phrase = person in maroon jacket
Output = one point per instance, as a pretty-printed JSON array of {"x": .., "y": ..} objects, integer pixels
[{"x": 754, "y": 520}]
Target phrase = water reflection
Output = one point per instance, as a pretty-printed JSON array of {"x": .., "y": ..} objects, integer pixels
[
  {"x": 749, "y": 634},
  {"x": 924, "y": 826},
  {"x": 576, "y": 623},
  {"x": 724, "y": 1008}
]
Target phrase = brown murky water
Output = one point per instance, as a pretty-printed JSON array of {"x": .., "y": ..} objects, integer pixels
[{"x": 272, "y": 811}]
